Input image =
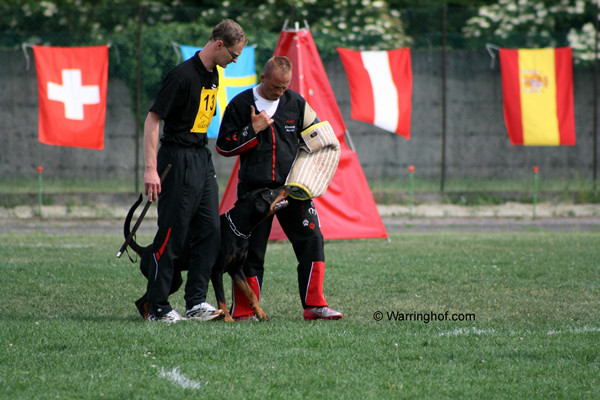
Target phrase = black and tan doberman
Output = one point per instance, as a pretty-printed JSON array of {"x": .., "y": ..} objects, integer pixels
[{"x": 236, "y": 227}]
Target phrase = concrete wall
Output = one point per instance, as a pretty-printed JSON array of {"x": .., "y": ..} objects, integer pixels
[
  {"x": 21, "y": 150},
  {"x": 477, "y": 142}
]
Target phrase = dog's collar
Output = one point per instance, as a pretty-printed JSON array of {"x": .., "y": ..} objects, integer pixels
[{"x": 234, "y": 228}]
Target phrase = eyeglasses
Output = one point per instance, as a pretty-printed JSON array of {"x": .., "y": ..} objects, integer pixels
[{"x": 232, "y": 54}]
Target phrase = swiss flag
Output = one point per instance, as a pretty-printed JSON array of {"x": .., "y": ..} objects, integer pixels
[{"x": 72, "y": 95}]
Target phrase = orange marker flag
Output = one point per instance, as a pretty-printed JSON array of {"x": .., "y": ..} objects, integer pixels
[{"x": 537, "y": 87}]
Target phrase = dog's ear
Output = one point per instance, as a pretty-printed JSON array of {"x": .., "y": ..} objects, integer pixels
[
  {"x": 269, "y": 196},
  {"x": 262, "y": 205},
  {"x": 264, "y": 200}
]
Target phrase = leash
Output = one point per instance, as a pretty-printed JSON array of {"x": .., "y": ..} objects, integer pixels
[
  {"x": 141, "y": 217},
  {"x": 234, "y": 229}
]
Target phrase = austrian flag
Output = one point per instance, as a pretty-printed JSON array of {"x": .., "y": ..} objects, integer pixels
[
  {"x": 380, "y": 87},
  {"x": 72, "y": 95}
]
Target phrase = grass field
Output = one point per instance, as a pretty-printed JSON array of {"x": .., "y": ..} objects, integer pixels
[
  {"x": 529, "y": 304},
  {"x": 388, "y": 191}
]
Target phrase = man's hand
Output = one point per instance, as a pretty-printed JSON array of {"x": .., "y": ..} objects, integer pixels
[
  {"x": 259, "y": 121},
  {"x": 152, "y": 184},
  {"x": 151, "y": 178}
]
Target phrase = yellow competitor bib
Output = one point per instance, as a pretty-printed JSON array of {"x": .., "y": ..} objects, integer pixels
[{"x": 206, "y": 110}]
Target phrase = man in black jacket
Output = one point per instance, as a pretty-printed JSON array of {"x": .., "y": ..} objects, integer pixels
[
  {"x": 263, "y": 126},
  {"x": 188, "y": 206}
]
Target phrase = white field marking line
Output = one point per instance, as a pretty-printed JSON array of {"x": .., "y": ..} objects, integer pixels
[
  {"x": 467, "y": 331},
  {"x": 475, "y": 331},
  {"x": 179, "y": 378},
  {"x": 62, "y": 246},
  {"x": 583, "y": 329}
]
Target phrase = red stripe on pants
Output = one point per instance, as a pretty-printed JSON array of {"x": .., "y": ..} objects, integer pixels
[{"x": 162, "y": 248}]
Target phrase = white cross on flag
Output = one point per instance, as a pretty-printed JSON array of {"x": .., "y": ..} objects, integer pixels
[{"x": 72, "y": 95}]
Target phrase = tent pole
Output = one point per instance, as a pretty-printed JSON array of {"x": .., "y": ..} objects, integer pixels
[
  {"x": 138, "y": 99},
  {"x": 443, "y": 161},
  {"x": 595, "y": 93},
  {"x": 349, "y": 140}
]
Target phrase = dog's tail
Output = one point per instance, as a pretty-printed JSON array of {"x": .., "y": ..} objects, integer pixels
[{"x": 127, "y": 227}]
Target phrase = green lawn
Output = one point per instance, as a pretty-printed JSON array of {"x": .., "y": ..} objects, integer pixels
[
  {"x": 68, "y": 327},
  {"x": 387, "y": 191}
]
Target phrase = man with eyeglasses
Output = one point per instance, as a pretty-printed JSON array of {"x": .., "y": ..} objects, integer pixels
[
  {"x": 188, "y": 206},
  {"x": 234, "y": 56}
]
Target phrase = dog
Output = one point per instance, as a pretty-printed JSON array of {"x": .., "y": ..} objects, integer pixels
[{"x": 237, "y": 225}]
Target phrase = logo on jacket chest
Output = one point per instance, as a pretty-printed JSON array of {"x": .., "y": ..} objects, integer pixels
[{"x": 290, "y": 126}]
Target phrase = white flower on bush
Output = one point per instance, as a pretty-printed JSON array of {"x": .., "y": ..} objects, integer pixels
[{"x": 535, "y": 17}]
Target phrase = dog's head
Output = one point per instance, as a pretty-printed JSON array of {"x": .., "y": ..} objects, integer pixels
[
  {"x": 265, "y": 202},
  {"x": 253, "y": 207},
  {"x": 276, "y": 198}
]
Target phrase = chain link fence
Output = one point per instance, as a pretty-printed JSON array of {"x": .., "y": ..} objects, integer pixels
[{"x": 459, "y": 140}]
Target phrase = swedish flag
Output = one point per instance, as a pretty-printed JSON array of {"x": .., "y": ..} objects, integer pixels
[{"x": 234, "y": 79}]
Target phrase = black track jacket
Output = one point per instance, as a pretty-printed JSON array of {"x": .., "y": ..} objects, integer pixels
[{"x": 266, "y": 157}]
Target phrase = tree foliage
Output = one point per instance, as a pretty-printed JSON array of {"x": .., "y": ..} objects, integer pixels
[
  {"x": 538, "y": 23},
  {"x": 361, "y": 24},
  {"x": 353, "y": 23}
]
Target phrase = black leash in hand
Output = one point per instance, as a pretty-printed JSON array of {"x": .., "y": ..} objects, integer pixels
[{"x": 141, "y": 217}]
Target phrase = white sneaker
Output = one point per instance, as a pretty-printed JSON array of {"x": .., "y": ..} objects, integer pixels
[
  {"x": 169, "y": 318},
  {"x": 204, "y": 312},
  {"x": 321, "y": 313}
]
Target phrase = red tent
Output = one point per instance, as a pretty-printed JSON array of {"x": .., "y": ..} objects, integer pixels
[{"x": 347, "y": 210}]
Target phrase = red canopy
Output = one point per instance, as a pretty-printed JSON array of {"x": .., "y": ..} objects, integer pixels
[{"x": 347, "y": 210}]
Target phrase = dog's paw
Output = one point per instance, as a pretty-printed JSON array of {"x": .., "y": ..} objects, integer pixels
[
  {"x": 228, "y": 318},
  {"x": 262, "y": 317}
]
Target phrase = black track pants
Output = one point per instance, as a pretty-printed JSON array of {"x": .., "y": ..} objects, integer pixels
[
  {"x": 300, "y": 222},
  {"x": 188, "y": 213}
]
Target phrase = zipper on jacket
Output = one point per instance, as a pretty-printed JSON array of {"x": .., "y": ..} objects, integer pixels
[{"x": 273, "y": 169}]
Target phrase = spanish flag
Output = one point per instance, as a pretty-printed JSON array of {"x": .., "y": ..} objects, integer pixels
[{"x": 537, "y": 87}]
